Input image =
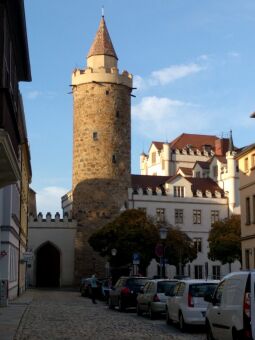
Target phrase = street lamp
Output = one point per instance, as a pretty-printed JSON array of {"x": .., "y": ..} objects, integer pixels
[{"x": 163, "y": 236}]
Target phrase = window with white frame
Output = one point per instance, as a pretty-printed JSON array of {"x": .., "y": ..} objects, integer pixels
[
  {"x": 196, "y": 216},
  {"x": 198, "y": 244},
  {"x": 153, "y": 157},
  {"x": 178, "y": 214},
  {"x": 178, "y": 191},
  {"x": 160, "y": 214},
  {"x": 215, "y": 216},
  {"x": 216, "y": 272},
  {"x": 198, "y": 272}
]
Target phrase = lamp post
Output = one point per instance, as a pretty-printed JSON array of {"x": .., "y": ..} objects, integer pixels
[{"x": 163, "y": 236}]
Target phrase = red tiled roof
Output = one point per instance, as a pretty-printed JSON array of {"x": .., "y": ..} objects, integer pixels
[
  {"x": 102, "y": 44},
  {"x": 222, "y": 159},
  {"x": 186, "y": 171},
  {"x": 146, "y": 181},
  {"x": 158, "y": 145},
  {"x": 196, "y": 141},
  {"x": 204, "y": 184}
]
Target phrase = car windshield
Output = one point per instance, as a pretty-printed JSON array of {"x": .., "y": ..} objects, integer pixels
[
  {"x": 199, "y": 290},
  {"x": 136, "y": 282},
  {"x": 165, "y": 286}
]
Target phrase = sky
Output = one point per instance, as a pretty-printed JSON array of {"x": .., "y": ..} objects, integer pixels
[{"x": 193, "y": 66}]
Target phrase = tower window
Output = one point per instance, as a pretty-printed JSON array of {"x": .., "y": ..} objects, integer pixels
[
  {"x": 95, "y": 136},
  {"x": 117, "y": 114},
  {"x": 107, "y": 92},
  {"x": 114, "y": 158}
]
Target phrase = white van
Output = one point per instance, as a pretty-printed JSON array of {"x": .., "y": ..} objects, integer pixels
[{"x": 231, "y": 312}]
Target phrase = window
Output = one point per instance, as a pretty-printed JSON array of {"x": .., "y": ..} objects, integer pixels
[
  {"x": 107, "y": 92},
  {"x": 246, "y": 164},
  {"x": 214, "y": 216},
  {"x": 216, "y": 272},
  {"x": 197, "y": 174},
  {"x": 198, "y": 272},
  {"x": 215, "y": 171},
  {"x": 198, "y": 244},
  {"x": 160, "y": 213},
  {"x": 247, "y": 258},
  {"x": 253, "y": 208},
  {"x": 163, "y": 164},
  {"x": 178, "y": 213},
  {"x": 248, "y": 211},
  {"x": 114, "y": 158},
  {"x": 181, "y": 289},
  {"x": 218, "y": 293},
  {"x": 117, "y": 114},
  {"x": 95, "y": 136},
  {"x": 253, "y": 160},
  {"x": 196, "y": 216},
  {"x": 178, "y": 191},
  {"x": 153, "y": 157}
]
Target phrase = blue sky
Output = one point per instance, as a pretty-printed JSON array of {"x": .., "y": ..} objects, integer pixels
[{"x": 192, "y": 61}]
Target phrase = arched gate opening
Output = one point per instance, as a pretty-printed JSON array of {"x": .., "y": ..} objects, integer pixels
[{"x": 48, "y": 266}]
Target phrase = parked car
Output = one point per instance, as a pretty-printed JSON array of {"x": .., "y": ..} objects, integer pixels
[
  {"x": 231, "y": 312},
  {"x": 153, "y": 297},
  {"x": 125, "y": 291},
  {"x": 187, "y": 305}
]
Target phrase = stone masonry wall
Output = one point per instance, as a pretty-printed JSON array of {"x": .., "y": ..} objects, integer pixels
[{"x": 101, "y": 164}]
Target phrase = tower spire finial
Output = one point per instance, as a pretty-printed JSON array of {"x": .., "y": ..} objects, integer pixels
[
  {"x": 231, "y": 144},
  {"x": 102, "y": 11}
]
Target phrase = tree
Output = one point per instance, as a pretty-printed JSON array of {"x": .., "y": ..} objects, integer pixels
[
  {"x": 179, "y": 248},
  {"x": 131, "y": 232},
  {"x": 225, "y": 240}
]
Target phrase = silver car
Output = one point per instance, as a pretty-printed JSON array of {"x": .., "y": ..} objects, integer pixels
[{"x": 152, "y": 299}]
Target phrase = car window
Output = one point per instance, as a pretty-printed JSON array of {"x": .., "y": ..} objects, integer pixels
[
  {"x": 136, "y": 282},
  {"x": 218, "y": 293},
  {"x": 146, "y": 287},
  {"x": 181, "y": 289},
  {"x": 176, "y": 288},
  {"x": 201, "y": 289},
  {"x": 165, "y": 286},
  {"x": 151, "y": 288}
]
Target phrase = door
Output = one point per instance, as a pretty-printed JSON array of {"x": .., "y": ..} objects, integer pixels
[{"x": 175, "y": 301}]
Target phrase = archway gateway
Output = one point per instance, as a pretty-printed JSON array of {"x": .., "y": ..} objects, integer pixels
[{"x": 48, "y": 266}]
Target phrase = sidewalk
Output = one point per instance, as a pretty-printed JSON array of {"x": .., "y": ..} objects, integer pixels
[{"x": 11, "y": 316}]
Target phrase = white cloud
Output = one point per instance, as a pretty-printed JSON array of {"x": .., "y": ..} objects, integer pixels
[
  {"x": 34, "y": 94},
  {"x": 168, "y": 75},
  {"x": 157, "y": 117},
  {"x": 234, "y": 54},
  {"x": 172, "y": 73},
  {"x": 49, "y": 199}
]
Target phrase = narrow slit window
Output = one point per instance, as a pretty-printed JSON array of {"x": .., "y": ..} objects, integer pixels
[
  {"x": 114, "y": 158},
  {"x": 117, "y": 114},
  {"x": 107, "y": 92},
  {"x": 95, "y": 135}
]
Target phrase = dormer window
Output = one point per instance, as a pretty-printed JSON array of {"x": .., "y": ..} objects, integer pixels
[{"x": 178, "y": 191}]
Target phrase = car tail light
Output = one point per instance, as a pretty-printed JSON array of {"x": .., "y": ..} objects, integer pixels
[
  {"x": 156, "y": 298},
  {"x": 190, "y": 301},
  {"x": 125, "y": 291},
  {"x": 247, "y": 305}
]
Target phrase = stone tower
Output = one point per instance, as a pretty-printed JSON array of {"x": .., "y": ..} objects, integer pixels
[{"x": 101, "y": 146}]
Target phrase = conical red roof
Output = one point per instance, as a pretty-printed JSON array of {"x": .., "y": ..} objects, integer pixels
[{"x": 102, "y": 44}]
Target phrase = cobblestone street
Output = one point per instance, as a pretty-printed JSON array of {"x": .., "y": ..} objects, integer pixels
[{"x": 66, "y": 315}]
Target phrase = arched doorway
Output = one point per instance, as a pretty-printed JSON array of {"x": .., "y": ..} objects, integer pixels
[{"x": 47, "y": 266}]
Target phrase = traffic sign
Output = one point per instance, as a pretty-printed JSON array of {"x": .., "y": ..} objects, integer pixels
[{"x": 136, "y": 258}]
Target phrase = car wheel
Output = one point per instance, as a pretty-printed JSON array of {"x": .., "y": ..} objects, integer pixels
[
  {"x": 182, "y": 324},
  {"x": 151, "y": 313},
  {"x": 209, "y": 335},
  {"x": 138, "y": 310},
  {"x": 121, "y": 306},
  {"x": 168, "y": 319},
  {"x": 110, "y": 304}
]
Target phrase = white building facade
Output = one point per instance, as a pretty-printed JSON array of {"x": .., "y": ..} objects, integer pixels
[{"x": 51, "y": 243}]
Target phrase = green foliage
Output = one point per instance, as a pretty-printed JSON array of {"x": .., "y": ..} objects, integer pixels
[
  {"x": 131, "y": 232},
  {"x": 225, "y": 240},
  {"x": 179, "y": 247}
]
